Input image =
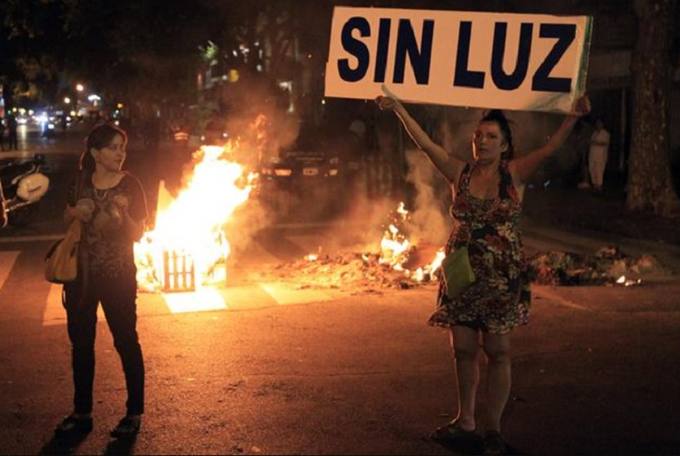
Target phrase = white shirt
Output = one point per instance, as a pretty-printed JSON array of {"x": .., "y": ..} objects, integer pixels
[{"x": 601, "y": 136}]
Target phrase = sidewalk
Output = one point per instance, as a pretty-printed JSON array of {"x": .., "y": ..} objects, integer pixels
[
  {"x": 597, "y": 212},
  {"x": 580, "y": 222}
]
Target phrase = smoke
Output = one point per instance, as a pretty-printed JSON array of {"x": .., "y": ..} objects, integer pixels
[
  {"x": 254, "y": 99},
  {"x": 428, "y": 221},
  {"x": 363, "y": 224}
]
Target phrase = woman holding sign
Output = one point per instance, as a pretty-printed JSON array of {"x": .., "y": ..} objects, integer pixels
[{"x": 486, "y": 208}]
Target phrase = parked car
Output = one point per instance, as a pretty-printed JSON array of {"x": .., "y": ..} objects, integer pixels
[{"x": 307, "y": 171}]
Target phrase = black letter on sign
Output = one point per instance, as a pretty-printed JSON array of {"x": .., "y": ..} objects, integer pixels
[
  {"x": 420, "y": 59},
  {"x": 383, "y": 42},
  {"x": 356, "y": 48},
  {"x": 511, "y": 81},
  {"x": 465, "y": 77},
  {"x": 565, "y": 34}
]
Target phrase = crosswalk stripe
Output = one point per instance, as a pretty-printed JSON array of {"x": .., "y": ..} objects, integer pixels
[
  {"x": 195, "y": 301},
  {"x": 285, "y": 294},
  {"x": 7, "y": 260},
  {"x": 54, "y": 313},
  {"x": 256, "y": 296}
]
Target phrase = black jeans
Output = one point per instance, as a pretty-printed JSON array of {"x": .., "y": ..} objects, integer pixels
[{"x": 118, "y": 299}]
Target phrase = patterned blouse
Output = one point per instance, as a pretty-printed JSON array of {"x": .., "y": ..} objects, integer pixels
[{"x": 106, "y": 247}]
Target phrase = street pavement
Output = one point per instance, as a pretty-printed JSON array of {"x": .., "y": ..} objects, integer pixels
[{"x": 268, "y": 368}]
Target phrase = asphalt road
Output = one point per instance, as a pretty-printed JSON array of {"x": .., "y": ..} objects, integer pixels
[{"x": 275, "y": 369}]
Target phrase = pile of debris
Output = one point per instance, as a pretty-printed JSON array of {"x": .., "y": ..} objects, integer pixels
[
  {"x": 608, "y": 266},
  {"x": 362, "y": 272},
  {"x": 345, "y": 271}
]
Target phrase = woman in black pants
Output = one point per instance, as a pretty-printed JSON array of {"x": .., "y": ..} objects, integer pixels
[{"x": 111, "y": 205}]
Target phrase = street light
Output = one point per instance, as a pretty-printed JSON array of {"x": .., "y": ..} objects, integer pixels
[
  {"x": 80, "y": 87},
  {"x": 67, "y": 100}
]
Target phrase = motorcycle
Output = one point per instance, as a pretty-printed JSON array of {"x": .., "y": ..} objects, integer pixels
[{"x": 22, "y": 185}]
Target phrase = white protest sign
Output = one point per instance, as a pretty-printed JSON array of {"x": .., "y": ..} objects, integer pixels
[{"x": 529, "y": 62}]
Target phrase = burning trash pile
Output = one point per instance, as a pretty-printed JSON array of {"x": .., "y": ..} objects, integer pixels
[
  {"x": 608, "y": 266},
  {"x": 188, "y": 247},
  {"x": 397, "y": 265}
]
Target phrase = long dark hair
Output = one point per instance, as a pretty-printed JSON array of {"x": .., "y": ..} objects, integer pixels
[
  {"x": 99, "y": 137},
  {"x": 496, "y": 115}
]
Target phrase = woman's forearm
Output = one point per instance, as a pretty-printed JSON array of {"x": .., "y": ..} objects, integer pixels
[{"x": 437, "y": 154}]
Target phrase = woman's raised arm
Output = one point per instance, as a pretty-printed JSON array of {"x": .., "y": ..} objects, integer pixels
[
  {"x": 523, "y": 167},
  {"x": 447, "y": 164}
]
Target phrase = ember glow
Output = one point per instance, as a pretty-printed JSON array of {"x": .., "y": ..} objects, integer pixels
[
  {"x": 189, "y": 239},
  {"x": 395, "y": 249},
  {"x": 626, "y": 282}
]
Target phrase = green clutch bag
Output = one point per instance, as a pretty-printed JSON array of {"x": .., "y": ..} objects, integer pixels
[{"x": 457, "y": 272}]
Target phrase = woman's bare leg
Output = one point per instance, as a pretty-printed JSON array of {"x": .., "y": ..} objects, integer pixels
[
  {"x": 497, "y": 349},
  {"x": 465, "y": 345}
]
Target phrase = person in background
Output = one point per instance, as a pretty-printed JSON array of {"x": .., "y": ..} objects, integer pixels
[
  {"x": 2, "y": 133},
  {"x": 486, "y": 208},
  {"x": 597, "y": 155},
  {"x": 12, "y": 141},
  {"x": 111, "y": 205}
]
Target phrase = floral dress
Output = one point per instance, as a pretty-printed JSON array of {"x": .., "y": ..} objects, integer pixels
[{"x": 500, "y": 298}]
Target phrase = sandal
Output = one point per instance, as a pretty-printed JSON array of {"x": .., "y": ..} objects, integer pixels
[
  {"x": 452, "y": 432},
  {"x": 494, "y": 443},
  {"x": 126, "y": 428},
  {"x": 72, "y": 426}
]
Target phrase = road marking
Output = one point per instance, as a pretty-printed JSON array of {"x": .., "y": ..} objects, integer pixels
[
  {"x": 7, "y": 260},
  {"x": 547, "y": 293},
  {"x": 195, "y": 301},
  {"x": 54, "y": 313},
  {"x": 285, "y": 294},
  {"x": 207, "y": 299}
]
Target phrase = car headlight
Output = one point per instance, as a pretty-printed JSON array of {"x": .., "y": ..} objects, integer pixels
[
  {"x": 283, "y": 172},
  {"x": 332, "y": 172}
]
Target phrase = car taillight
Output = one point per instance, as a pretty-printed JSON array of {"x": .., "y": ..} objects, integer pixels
[
  {"x": 283, "y": 172},
  {"x": 310, "y": 171}
]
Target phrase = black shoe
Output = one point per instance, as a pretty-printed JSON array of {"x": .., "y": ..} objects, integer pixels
[
  {"x": 451, "y": 433},
  {"x": 126, "y": 428},
  {"x": 493, "y": 443},
  {"x": 73, "y": 426}
]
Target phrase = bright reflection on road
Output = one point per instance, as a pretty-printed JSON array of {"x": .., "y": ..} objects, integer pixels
[{"x": 200, "y": 300}]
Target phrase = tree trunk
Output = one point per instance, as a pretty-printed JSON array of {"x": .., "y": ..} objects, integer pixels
[{"x": 649, "y": 177}]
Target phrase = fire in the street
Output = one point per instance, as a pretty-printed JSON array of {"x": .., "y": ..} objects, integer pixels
[
  {"x": 396, "y": 250},
  {"x": 187, "y": 247},
  {"x": 626, "y": 282}
]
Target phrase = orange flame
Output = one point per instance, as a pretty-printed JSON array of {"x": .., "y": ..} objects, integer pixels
[
  {"x": 395, "y": 249},
  {"x": 193, "y": 224}
]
